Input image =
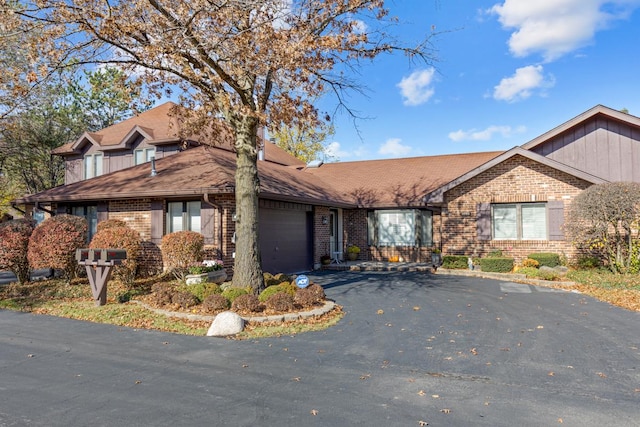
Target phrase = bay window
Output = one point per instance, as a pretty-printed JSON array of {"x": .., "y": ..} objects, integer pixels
[{"x": 400, "y": 227}]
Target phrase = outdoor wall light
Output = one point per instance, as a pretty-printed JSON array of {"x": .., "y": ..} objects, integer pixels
[{"x": 325, "y": 220}]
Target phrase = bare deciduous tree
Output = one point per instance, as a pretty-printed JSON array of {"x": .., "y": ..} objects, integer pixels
[{"x": 604, "y": 220}]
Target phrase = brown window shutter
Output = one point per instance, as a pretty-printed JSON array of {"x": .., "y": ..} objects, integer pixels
[
  {"x": 207, "y": 218},
  {"x": 157, "y": 221},
  {"x": 103, "y": 211},
  {"x": 555, "y": 209},
  {"x": 483, "y": 221}
]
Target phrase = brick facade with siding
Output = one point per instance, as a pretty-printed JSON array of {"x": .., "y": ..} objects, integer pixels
[{"x": 517, "y": 179}]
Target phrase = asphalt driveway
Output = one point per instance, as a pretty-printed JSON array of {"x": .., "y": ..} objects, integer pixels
[{"x": 412, "y": 348}]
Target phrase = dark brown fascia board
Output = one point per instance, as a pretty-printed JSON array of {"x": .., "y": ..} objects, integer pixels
[
  {"x": 598, "y": 109},
  {"x": 307, "y": 200},
  {"x": 437, "y": 196},
  {"x": 124, "y": 196},
  {"x": 93, "y": 138}
]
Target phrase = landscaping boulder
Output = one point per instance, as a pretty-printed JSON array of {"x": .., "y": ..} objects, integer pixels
[{"x": 226, "y": 323}]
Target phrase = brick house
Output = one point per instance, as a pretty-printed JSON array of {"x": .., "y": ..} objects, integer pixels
[{"x": 468, "y": 204}]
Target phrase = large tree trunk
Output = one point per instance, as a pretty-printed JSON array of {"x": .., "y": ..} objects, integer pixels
[{"x": 247, "y": 269}]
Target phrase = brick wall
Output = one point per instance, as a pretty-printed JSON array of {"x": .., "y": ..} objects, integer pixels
[
  {"x": 137, "y": 215},
  {"x": 517, "y": 179},
  {"x": 321, "y": 232},
  {"x": 355, "y": 231}
]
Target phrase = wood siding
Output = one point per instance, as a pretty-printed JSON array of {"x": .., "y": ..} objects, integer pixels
[
  {"x": 113, "y": 161},
  {"x": 602, "y": 147}
]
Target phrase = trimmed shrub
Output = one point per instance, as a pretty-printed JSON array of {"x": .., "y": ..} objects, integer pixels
[
  {"x": 182, "y": 249},
  {"x": 118, "y": 237},
  {"x": 496, "y": 264},
  {"x": 280, "y": 302},
  {"x": 215, "y": 303},
  {"x": 588, "y": 262},
  {"x": 54, "y": 242},
  {"x": 110, "y": 223},
  {"x": 455, "y": 262},
  {"x": 495, "y": 253},
  {"x": 184, "y": 299},
  {"x": 528, "y": 271},
  {"x": 268, "y": 292},
  {"x": 305, "y": 297},
  {"x": 318, "y": 291},
  {"x": 548, "y": 259},
  {"x": 162, "y": 292},
  {"x": 530, "y": 263},
  {"x": 289, "y": 287},
  {"x": 281, "y": 278},
  {"x": 203, "y": 289},
  {"x": 232, "y": 293},
  {"x": 14, "y": 245},
  {"x": 548, "y": 274},
  {"x": 285, "y": 287},
  {"x": 248, "y": 302}
]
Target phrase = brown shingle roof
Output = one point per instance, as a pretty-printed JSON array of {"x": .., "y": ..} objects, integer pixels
[
  {"x": 397, "y": 182},
  {"x": 159, "y": 125},
  {"x": 193, "y": 172}
]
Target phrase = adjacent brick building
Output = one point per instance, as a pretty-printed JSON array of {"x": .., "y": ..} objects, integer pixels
[{"x": 467, "y": 204}]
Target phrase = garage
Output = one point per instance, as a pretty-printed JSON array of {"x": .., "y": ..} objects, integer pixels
[{"x": 286, "y": 237}]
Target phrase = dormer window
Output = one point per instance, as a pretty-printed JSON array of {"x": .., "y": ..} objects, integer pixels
[
  {"x": 92, "y": 165},
  {"x": 143, "y": 155}
]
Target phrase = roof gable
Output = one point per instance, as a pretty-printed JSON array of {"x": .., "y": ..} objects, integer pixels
[
  {"x": 581, "y": 118},
  {"x": 437, "y": 196}
]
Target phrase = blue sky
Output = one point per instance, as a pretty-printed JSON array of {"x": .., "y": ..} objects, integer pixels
[{"x": 505, "y": 72}]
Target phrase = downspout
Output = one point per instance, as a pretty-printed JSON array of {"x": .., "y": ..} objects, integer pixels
[
  {"x": 50, "y": 212},
  {"x": 217, "y": 235},
  {"x": 15, "y": 206}
]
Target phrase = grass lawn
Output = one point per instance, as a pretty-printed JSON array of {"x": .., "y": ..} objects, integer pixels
[{"x": 74, "y": 301}]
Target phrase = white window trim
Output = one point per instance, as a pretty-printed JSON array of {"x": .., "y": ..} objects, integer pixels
[
  {"x": 94, "y": 169},
  {"x": 148, "y": 154},
  {"x": 519, "y": 230},
  {"x": 187, "y": 221}
]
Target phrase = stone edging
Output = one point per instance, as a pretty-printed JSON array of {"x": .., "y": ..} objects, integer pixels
[
  {"x": 502, "y": 276},
  {"x": 327, "y": 307}
]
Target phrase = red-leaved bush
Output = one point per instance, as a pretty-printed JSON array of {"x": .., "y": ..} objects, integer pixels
[
  {"x": 110, "y": 223},
  {"x": 116, "y": 236},
  {"x": 53, "y": 243},
  {"x": 14, "y": 244},
  {"x": 182, "y": 249}
]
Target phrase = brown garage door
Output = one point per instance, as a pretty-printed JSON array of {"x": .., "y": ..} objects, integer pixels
[{"x": 286, "y": 239}]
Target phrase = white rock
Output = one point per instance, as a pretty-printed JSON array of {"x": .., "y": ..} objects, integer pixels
[{"x": 226, "y": 323}]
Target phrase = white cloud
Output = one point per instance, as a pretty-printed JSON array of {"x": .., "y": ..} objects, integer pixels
[
  {"x": 333, "y": 151},
  {"x": 393, "y": 148},
  {"x": 417, "y": 88},
  {"x": 522, "y": 84},
  {"x": 557, "y": 27},
  {"x": 485, "y": 134}
]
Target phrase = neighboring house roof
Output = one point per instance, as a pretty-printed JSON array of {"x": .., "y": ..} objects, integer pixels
[
  {"x": 397, "y": 182},
  {"x": 193, "y": 172},
  {"x": 587, "y": 115},
  {"x": 158, "y": 126},
  {"x": 437, "y": 196}
]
